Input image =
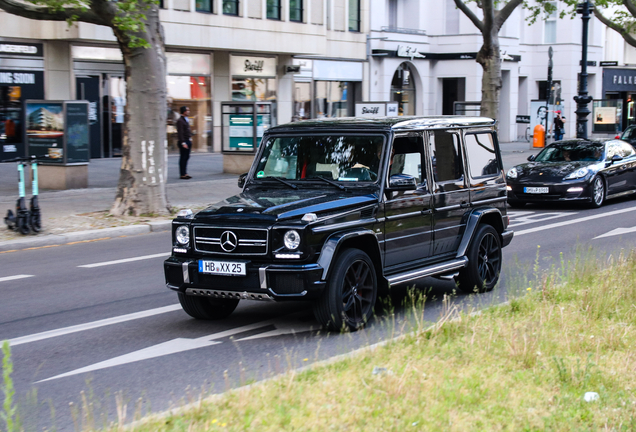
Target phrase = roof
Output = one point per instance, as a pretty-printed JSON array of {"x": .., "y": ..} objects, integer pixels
[{"x": 385, "y": 123}]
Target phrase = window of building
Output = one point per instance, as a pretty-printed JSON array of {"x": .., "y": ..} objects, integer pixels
[
  {"x": 452, "y": 18},
  {"x": 302, "y": 100},
  {"x": 446, "y": 156},
  {"x": 253, "y": 89},
  {"x": 331, "y": 99},
  {"x": 230, "y": 7},
  {"x": 393, "y": 12},
  {"x": 403, "y": 90},
  {"x": 354, "y": 15},
  {"x": 481, "y": 155},
  {"x": 555, "y": 93},
  {"x": 549, "y": 35},
  {"x": 273, "y": 9},
  {"x": 203, "y": 6},
  {"x": 296, "y": 10}
]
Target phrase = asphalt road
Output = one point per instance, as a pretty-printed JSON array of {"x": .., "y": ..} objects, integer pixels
[{"x": 96, "y": 318}]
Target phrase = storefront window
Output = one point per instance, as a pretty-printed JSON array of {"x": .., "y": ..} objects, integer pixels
[
  {"x": 403, "y": 90},
  {"x": 331, "y": 99},
  {"x": 253, "y": 89},
  {"x": 194, "y": 93},
  {"x": 302, "y": 101}
]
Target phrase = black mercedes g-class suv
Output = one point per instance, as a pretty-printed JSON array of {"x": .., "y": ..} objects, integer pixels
[{"x": 336, "y": 211}]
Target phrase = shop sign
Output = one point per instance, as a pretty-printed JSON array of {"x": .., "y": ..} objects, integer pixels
[
  {"x": 609, "y": 63},
  {"x": 250, "y": 66},
  {"x": 17, "y": 78},
  {"x": 392, "y": 109},
  {"x": 12, "y": 48},
  {"x": 409, "y": 52},
  {"x": 523, "y": 119},
  {"x": 619, "y": 80},
  {"x": 370, "y": 110}
]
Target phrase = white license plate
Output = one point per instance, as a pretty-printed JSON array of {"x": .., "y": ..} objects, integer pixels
[
  {"x": 226, "y": 268},
  {"x": 536, "y": 190}
]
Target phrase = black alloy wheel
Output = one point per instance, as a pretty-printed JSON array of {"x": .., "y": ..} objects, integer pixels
[
  {"x": 351, "y": 292},
  {"x": 598, "y": 192},
  {"x": 484, "y": 261},
  {"x": 205, "y": 308}
]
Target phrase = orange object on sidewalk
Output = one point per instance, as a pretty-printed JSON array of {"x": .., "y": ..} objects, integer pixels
[{"x": 538, "y": 136}]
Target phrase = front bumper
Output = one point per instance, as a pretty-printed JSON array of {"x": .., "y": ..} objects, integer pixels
[
  {"x": 277, "y": 282},
  {"x": 556, "y": 192}
]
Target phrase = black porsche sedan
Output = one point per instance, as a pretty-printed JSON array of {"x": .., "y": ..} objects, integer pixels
[{"x": 574, "y": 170}]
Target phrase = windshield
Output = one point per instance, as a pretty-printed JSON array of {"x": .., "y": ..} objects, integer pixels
[
  {"x": 333, "y": 157},
  {"x": 572, "y": 153}
]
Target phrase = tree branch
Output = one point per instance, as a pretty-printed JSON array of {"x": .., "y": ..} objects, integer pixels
[
  {"x": 611, "y": 24},
  {"x": 45, "y": 14},
  {"x": 502, "y": 15},
  {"x": 470, "y": 14}
]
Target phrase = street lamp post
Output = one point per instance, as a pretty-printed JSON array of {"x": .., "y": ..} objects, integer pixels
[
  {"x": 583, "y": 99},
  {"x": 548, "y": 95}
]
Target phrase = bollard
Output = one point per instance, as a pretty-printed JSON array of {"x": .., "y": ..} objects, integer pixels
[{"x": 538, "y": 136}]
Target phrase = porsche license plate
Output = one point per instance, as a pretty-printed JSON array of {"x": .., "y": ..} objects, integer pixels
[
  {"x": 536, "y": 190},
  {"x": 224, "y": 268}
]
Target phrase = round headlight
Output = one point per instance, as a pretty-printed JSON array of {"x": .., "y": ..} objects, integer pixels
[
  {"x": 182, "y": 235},
  {"x": 512, "y": 173},
  {"x": 292, "y": 240}
]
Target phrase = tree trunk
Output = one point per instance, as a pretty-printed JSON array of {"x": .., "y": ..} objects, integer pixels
[
  {"x": 143, "y": 176},
  {"x": 488, "y": 58}
]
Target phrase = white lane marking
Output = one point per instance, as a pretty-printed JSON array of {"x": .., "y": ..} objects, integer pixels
[
  {"x": 538, "y": 217},
  {"x": 617, "y": 231},
  {"x": 170, "y": 347},
  {"x": 125, "y": 260},
  {"x": 289, "y": 327},
  {"x": 91, "y": 325},
  {"x": 573, "y": 221},
  {"x": 10, "y": 278}
]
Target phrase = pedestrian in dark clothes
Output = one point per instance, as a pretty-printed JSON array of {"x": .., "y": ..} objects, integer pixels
[{"x": 184, "y": 136}]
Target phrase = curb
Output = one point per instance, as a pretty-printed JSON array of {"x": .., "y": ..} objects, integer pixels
[{"x": 79, "y": 236}]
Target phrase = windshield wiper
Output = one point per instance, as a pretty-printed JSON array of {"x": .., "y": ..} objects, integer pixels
[
  {"x": 286, "y": 183},
  {"x": 331, "y": 182}
]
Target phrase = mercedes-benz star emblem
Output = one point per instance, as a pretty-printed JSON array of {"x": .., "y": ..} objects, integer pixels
[{"x": 229, "y": 241}]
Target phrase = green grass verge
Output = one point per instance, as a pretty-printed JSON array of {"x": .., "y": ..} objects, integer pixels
[{"x": 525, "y": 365}]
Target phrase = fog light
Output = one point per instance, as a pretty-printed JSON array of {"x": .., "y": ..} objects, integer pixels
[
  {"x": 287, "y": 256},
  {"x": 575, "y": 189},
  {"x": 508, "y": 188}
]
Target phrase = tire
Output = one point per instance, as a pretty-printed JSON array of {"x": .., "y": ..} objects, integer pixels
[
  {"x": 35, "y": 221},
  {"x": 207, "y": 308},
  {"x": 517, "y": 204},
  {"x": 23, "y": 225},
  {"x": 484, "y": 261},
  {"x": 598, "y": 192},
  {"x": 352, "y": 289}
]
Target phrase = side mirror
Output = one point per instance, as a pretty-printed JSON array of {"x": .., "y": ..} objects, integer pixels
[
  {"x": 531, "y": 158},
  {"x": 241, "y": 180},
  {"x": 402, "y": 182},
  {"x": 617, "y": 158}
]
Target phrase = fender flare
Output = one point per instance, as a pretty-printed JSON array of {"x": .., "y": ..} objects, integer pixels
[
  {"x": 471, "y": 226},
  {"x": 332, "y": 246}
]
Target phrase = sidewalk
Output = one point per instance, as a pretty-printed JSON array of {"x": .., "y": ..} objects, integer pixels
[{"x": 82, "y": 214}]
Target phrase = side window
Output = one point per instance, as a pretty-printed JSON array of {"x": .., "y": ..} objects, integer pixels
[
  {"x": 481, "y": 156},
  {"x": 406, "y": 157},
  {"x": 626, "y": 150},
  {"x": 446, "y": 156}
]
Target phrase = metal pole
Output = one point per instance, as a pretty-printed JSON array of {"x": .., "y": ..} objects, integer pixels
[
  {"x": 583, "y": 99},
  {"x": 549, "y": 91}
]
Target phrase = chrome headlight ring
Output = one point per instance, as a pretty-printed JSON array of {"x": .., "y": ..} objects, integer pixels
[{"x": 182, "y": 235}]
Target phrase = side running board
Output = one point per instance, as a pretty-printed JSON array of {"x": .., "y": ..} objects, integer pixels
[{"x": 433, "y": 270}]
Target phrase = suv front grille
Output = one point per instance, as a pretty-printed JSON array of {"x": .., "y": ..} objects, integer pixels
[{"x": 244, "y": 241}]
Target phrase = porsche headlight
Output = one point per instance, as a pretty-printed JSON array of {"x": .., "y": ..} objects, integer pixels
[
  {"x": 182, "y": 235},
  {"x": 512, "y": 173},
  {"x": 291, "y": 239},
  {"x": 579, "y": 173}
]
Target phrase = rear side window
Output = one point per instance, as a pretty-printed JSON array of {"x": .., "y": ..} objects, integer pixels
[
  {"x": 482, "y": 158},
  {"x": 446, "y": 156}
]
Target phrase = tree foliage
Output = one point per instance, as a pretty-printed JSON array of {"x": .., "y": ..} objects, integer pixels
[{"x": 619, "y": 15}]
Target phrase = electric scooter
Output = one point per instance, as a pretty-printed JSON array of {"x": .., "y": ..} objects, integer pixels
[
  {"x": 26, "y": 220},
  {"x": 20, "y": 220}
]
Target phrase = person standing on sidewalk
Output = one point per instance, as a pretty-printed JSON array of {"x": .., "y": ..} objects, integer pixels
[
  {"x": 559, "y": 126},
  {"x": 184, "y": 136}
]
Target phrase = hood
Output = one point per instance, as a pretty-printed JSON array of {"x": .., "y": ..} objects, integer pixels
[
  {"x": 545, "y": 172},
  {"x": 269, "y": 206}
]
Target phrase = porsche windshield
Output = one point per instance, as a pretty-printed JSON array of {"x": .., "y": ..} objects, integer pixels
[
  {"x": 572, "y": 153},
  {"x": 332, "y": 157}
]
